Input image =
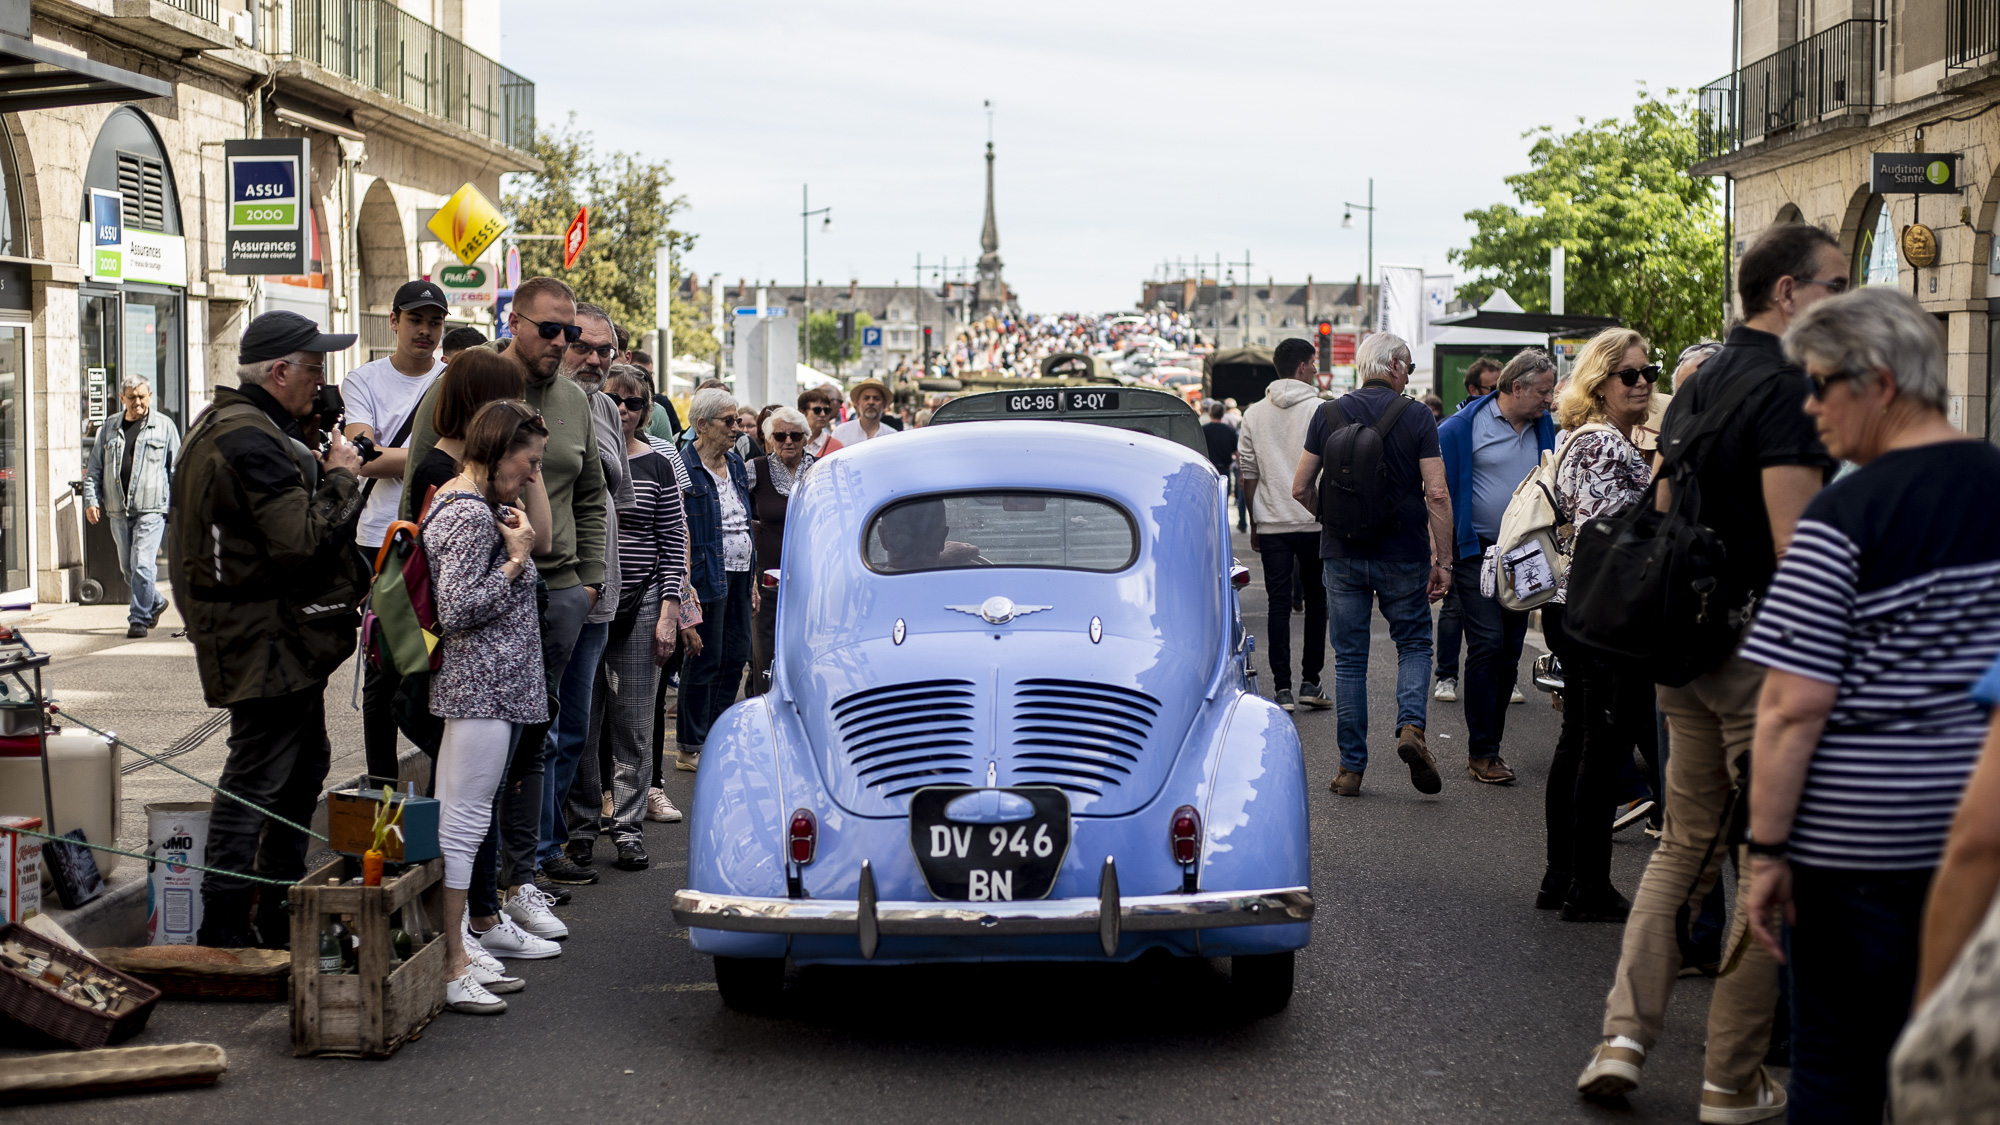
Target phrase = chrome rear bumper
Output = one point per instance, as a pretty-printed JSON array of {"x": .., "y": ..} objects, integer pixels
[{"x": 1108, "y": 915}]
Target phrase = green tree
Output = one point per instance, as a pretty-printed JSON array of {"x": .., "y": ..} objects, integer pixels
[
  {"x": 824, "y": 333},
  {"x": 631, "y": 216},
  {"x": 1643, "y": 240}
]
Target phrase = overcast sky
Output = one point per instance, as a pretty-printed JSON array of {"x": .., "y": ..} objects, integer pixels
[{"x": 1126, "y": 134}]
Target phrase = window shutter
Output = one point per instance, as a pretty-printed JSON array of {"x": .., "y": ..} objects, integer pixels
[{"x": 142, "y": 181}]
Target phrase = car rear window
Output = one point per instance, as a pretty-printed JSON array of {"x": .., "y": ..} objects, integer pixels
[{"x": 1048, "y": 530}]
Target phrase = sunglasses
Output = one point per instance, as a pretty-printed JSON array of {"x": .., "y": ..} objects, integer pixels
[
  {"x": 550, "y": 329},
  {"x": 1838, "y": 285},
  {"x": 822, "y": 410},
  {"x": 637, "y": 404},
  {"x": 601, "y": 351},
  {"x": 1633, "y": 376},
  {"x": 1821, "y": 382},
  {"x": 787, "y": 437}
]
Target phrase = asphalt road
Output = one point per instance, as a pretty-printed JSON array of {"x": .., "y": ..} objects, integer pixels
[{"x": 1432, "y": 991}]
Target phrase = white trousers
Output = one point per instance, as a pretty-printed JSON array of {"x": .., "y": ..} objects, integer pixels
[{"x": 472, "y": 759}]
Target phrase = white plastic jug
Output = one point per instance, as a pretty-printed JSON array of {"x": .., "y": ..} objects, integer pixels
[
  {"x": 176, "y": 834},
  {"x": 83, "y": 775}
]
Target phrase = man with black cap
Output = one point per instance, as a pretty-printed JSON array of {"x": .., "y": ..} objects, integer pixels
[
  {"x": 268, "y": 580},
  {"x": 381, "y": 398}
]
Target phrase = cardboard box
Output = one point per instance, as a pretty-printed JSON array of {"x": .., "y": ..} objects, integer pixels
[
  {"x": 20, "y": 869},
  {"x": 350, "y": 818}
]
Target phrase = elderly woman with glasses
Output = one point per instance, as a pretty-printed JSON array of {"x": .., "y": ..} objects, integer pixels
[
  {"x": 772, "y": 479},
  {"x": 1883, "y": 612},
  {"x": 722, "y": 562},
  {"x": 1607, "y": 703}
]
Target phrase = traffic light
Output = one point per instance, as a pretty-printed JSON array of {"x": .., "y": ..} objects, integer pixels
[
  {"x": 846, "y": 327},
  {"x": 1323, "y": 339}
]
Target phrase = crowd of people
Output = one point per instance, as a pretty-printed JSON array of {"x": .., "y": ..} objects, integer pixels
[
  {"x": 1016, "y": 345},
  {"x": 1816, "y": 606},
  {"x": 1787, "y": 570},
  {"x": 586, "y": 547}
]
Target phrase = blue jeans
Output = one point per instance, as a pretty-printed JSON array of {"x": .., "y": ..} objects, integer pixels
[
  {"x": 572, "y": 731},
  {"x": 1493, "y": 640},
  {"x": 1853, "y": 953},
  {"x": 138, "y": 538},
  {"x": 1352, "y": 587},
  {"x": 711, "y": 679},
  {"x": 1450, "y": 635}
]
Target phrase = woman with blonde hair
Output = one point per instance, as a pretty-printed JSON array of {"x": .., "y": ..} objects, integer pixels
[{"x": 1607, "y": 702}]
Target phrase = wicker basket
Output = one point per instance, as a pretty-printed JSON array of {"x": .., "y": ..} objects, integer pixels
[
  {"x": 60, "y": 1017},
  {"x": 263, "y": 975}
]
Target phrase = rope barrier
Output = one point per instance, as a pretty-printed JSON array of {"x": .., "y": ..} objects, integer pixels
[
  {"x": 159, "y": 761},
  {"x": 150, "y": 859}
]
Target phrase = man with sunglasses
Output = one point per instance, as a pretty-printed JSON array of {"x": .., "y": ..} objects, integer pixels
[
  {"x": 820, "y": 406},
  {"x": 1756, "y": 479},
  {"x": 541, "y": 325},
  {"x": 586, "y": 362},
  {"x": 1490, "y": 446}
]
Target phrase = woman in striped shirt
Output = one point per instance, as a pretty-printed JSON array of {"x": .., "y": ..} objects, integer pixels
[{"x": 1882, "y": 614}]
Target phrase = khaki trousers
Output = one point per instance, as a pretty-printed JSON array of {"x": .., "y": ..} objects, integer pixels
[{"x": 1709, "y": 722}]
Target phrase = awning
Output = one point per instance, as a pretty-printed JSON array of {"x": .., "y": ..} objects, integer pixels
[
  {"x": 36, "y": 77},
  {"x": 1543, "y": 324}
]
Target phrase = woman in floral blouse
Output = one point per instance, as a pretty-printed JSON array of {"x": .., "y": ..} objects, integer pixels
[{"x": 1607, "y": 703}]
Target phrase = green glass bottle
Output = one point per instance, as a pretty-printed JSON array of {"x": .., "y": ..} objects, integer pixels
[{"x": 330, "y": 961}]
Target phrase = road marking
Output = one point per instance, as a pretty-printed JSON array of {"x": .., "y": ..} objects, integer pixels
[{"x": 707, "y": 986}]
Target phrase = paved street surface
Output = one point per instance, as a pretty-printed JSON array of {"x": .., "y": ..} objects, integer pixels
[{"x": 1432, "y": 991}]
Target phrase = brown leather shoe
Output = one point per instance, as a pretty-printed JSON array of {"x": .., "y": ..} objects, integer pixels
[
  {"x": 1423, "y": 768},
  {"x": 1347, "y": 783},
  {"x": 1492, "y": 771}
]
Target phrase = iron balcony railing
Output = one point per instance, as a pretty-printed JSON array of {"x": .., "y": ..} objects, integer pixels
[
  {"x": 1831, "y": 73},
  {"x": 209, "y": 10},
  {"x": 377, "y": 44},
  {"x": 1972, "y": 31}
]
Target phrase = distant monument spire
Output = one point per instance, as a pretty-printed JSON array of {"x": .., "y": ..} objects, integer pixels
[{"x": 992, "y": 290}]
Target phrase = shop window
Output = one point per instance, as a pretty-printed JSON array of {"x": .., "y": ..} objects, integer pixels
[{"x": 1875, "y": 246}]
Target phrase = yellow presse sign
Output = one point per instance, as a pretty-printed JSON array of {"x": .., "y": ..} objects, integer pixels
[{"x": 467, "y": 224}]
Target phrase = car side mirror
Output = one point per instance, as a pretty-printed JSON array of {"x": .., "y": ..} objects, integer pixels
[{"x": 768, "y": 579}]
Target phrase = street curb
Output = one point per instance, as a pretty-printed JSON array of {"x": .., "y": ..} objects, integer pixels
[{"x": 118, "y": 916}]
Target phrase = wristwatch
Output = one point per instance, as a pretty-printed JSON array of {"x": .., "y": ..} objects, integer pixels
[
  {"x": 596, "y": 588},
  {"x": 1778, "y": 850}
]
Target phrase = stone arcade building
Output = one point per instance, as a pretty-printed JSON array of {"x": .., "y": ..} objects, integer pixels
[
  {"x": 1824, "y": 85},
  {"x": 135, "y": 100}
]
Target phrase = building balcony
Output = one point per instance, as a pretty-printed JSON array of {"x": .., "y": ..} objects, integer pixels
[
  {"x": 417, "y": 80},
  {"x": 1817, "y": 84}
]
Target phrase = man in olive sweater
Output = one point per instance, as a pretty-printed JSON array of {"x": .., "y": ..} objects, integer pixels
[{"x": 543, "y": 323}]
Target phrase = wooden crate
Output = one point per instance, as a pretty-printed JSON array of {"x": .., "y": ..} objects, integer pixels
[{"x": 373, "y": 1011}]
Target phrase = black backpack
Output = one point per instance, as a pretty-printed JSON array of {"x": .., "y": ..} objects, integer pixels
[
  {"x": 1357, "y": 503},
  {"x": 1657, "y": 587}
]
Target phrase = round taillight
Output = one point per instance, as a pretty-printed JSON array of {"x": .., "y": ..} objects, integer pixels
[
  {"x": 1184, "y": 835},
  {"x": 804, "y": 835}
]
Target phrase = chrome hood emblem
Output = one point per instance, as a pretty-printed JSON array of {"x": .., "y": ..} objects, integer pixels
[{"x": 997, "y": 610}]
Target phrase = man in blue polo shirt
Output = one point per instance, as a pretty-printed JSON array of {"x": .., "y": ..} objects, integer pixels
[{"x": 1490, "y": 447}]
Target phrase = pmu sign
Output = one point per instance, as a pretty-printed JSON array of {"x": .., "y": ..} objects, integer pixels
[{"x": 268, "y": 206}]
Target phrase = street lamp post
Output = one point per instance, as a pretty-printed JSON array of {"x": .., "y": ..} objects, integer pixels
[
  {"x": 1347, "y": 221},
  {"x": 806, "y": 213}
]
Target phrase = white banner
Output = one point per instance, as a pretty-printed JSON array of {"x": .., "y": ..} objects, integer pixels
[
  {"x": 1400, "y": 307},
  {"x": 1438, "y": 293}
]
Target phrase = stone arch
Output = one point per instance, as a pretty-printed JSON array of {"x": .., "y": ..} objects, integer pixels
[
  {"x": 1982, "y": 236},
  {"x": 1851, "y": 218},
  {"x": 1789, "y": 213},
  {"x": 384, "y": 247}
]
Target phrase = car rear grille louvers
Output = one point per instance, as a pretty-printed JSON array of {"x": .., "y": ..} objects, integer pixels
[
  {"x": 903, "y": 737},
  {"x": 1080, "y": 736}
]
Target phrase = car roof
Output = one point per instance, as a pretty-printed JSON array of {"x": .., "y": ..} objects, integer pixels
[
  {"x": 1140, "y": 409},
  {"x": 1133, "y": 468}
]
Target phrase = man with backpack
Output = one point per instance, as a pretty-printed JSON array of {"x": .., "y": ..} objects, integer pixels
[
  {"x": 1738, "y": 444},
  {"x": 1490, "y": 446},
  {"x": 1373, "y": 474}
]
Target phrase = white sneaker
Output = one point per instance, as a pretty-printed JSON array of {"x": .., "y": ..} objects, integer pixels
[
  {"x": 508, "y": 940},
  {"x": 529, "y": 907},
  {"x": 490, "y": 974},
  {"x": 1517, "y": 697},
  {"x": 1446, "y": 690},
  {"x": 659, "y": 808},
  {"x": 466, "y": 994}
]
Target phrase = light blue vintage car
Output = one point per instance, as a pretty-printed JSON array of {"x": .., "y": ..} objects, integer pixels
[{"x": 1009, "y": 720}]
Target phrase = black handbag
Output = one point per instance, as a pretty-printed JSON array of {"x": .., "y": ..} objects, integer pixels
[{"x": 1657, "y": 586}]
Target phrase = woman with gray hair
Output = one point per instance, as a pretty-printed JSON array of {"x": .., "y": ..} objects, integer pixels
[
  {"x": 772, "y": 479},
  {"x": 722, "y": 563},
  {"x": 1882, "y": 613}
]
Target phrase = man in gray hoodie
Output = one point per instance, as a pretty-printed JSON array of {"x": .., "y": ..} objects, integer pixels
[{"x": 1282, "y": 532}]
